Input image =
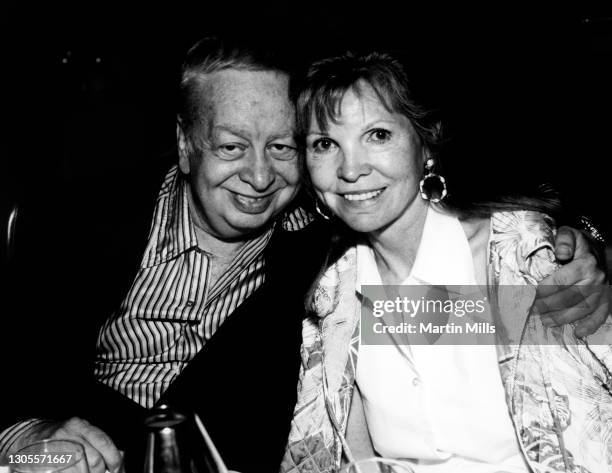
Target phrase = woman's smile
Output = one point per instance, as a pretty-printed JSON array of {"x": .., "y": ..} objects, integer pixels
[{"x": 356, "y": 197}]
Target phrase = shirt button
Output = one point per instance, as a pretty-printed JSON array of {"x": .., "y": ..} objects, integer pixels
[
  {"x": 189, "y": 303},
  {"x": 416, "y": 382}
]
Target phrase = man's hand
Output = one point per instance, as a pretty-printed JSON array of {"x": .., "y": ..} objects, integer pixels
[
  {"x": 102, "y": 455},
  {"x": 559, "y": 301}
]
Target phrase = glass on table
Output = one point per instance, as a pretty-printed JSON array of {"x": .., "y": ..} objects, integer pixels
[
  {"x": 49, "y": 456},
  {"x": 377, "y": 465}
]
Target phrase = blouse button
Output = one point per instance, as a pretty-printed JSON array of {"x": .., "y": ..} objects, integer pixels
[{"x": 416, "y": 382}]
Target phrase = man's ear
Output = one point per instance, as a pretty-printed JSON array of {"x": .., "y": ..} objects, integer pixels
[{"x": 183, "y": 149}]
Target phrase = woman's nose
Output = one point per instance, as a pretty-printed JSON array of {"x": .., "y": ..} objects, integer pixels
[{"x": 353, "y": 165}]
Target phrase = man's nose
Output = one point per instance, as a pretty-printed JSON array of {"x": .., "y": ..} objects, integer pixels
[
  {"x": 354, "y": 164},
  {"x": 259, "y": 171}
]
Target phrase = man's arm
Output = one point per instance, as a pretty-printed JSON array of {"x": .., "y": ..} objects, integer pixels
[
  {"x": 102, "y": 454},
  {"x": 10, "y": 436}
]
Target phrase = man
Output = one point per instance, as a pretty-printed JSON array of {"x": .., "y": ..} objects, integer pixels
[
  {"x": 215, "y": 248},
  {"x": 223, "y": 242},
  {"x": 237, "y": 170}
]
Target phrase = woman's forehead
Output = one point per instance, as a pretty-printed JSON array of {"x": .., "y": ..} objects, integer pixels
[{"x": 358, "y": 104}]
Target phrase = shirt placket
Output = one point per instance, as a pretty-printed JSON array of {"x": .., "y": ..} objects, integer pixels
[{"x": 191, "y": 341}]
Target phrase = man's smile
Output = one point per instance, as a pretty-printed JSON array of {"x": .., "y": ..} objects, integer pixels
[{"x": 252, "y": 204}]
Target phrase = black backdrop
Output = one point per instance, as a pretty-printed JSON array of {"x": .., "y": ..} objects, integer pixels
[{"x": 87, "y": 89}]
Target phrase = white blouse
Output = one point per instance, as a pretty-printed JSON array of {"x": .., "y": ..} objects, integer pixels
[{"x": 441, "y": 407}]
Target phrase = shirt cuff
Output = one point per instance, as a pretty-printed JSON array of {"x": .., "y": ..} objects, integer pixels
[{"x": 10, "y": 435}]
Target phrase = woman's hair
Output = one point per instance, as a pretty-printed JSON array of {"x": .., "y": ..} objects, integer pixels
[
  {"x": 320, "y": 98},
  {"x": 328, "y": 80}
]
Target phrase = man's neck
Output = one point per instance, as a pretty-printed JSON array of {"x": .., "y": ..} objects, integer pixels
[
  {"x": 220, "y": 254},
  {"x": 216, "y": 247}
]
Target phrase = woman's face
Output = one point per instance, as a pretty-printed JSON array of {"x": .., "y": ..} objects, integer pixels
[{"x": 366, "y": 168}]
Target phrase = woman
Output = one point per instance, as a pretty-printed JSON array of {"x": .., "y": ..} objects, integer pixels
[{"x": 370, "y": 155}]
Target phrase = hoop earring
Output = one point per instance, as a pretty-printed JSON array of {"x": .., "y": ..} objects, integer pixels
[
  {"x": 322, "y": 210},
  {"x": 433, "y": 186}
]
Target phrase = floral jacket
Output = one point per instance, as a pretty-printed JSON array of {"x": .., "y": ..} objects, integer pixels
[{"x": 559, "y": 394}]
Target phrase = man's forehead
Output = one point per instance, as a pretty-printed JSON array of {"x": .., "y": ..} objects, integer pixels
[
  {"x": 286, "y": 131},
  {"x": 243, "y": 86},
  {"x": 244, "y": 100}
]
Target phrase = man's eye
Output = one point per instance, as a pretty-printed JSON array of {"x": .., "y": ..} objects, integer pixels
[
  {"x": 282, "y": 151},
  {"x": 379, "y": 135},
  {"x": 232, "y": 150},
  {"x": 323, "y": 145},
  {"x": 281, "y": 148}
]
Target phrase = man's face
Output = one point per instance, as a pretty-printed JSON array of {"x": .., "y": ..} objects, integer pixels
[{"x": 243, "y": 166}]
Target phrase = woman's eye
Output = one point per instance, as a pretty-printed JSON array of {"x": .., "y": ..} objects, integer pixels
[
  {"x": 322, "y": 145},
  {"x": 380, "y": 135}
]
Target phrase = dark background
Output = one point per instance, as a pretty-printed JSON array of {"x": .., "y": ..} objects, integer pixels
[
  {"x": 88, "y": 89},
  {"x": 88, "y": 109}
]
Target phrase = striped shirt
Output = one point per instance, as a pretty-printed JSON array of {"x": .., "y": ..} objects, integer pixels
[{"x": 171, "y": 310}]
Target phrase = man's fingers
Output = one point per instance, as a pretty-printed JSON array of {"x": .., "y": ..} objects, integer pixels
[
  {"x": 549, "y": 285},
  {"x": 566, "y": 316},
  {"x": 560, "y": 280},
  {"x": 95, "y": 462},
  {"x": 94, "y": 459},
  {"x": 586, "y": 298},
  {"x": 579, "y": 272},
  {"x": 590, "y": 324},
  {"x": 104, "y": 445},
  {"x": 101, "y": 453},
  {"x": 565, "y": 244},
  {"x": 573, "y": 305},
  {"x": 582, "y": 269}
]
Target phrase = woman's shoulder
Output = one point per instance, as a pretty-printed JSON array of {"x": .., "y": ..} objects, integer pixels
[
  {"x": 529, "y": 229},
  {"x": 518, "y": 224},
  {"x": 523, "y": 223},
  {"x": 522, "y": 242}
]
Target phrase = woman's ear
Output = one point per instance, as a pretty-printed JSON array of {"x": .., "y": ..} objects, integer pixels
[
  {"x": 427, "y": 156},
  {"x": 438, "y": 130},
  {"x": 183, "y": 148}
]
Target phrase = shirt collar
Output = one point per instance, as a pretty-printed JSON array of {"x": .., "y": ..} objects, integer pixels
[
  {"x": 367, "y": 271},
  {"x": 173, "y": 232},
  {"x": 444, "y": 255}
]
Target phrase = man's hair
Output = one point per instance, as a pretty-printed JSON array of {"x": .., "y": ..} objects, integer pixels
[
  {"x": 327, "y": 82},
  {"x": 211, "y": 55}
]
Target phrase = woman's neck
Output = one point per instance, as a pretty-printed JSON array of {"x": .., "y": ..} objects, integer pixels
[{"x": 396, "y": 246}]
